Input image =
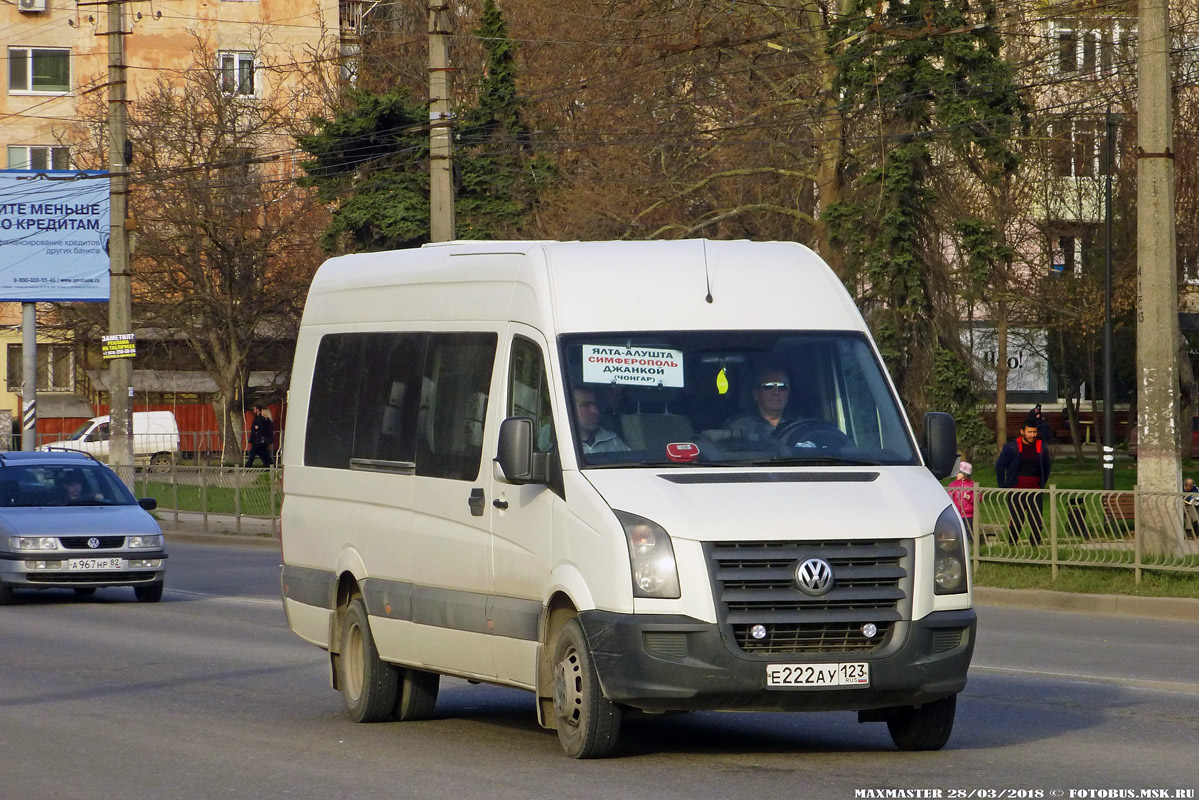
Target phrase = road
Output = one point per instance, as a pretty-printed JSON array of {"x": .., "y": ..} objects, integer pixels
[{"x": 207, "y": 694}]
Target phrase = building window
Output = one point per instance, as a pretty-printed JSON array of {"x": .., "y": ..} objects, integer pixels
[
  {"x": 1093, "y": 47},
  {"x": 35, "y": 69},
  {"x": 1078, "y": 147},
  {"x": 1076, "y": 251},
  {"x": 38, "y": 158},
  {"x": 55, "y": 368},
  {"x": 237, "y": 73}
]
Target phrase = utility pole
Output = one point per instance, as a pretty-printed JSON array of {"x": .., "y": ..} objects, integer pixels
[
  {"x": 441, "y": 146},
  {"x": 120, "y": 303},
  {"x": 1109, "y": 423},
  {"x": 28, "y": 376},
  {"x": 1158, "y": 337}
]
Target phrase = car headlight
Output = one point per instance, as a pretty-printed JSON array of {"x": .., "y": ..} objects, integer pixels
[
  {"x": 154, "y": 540},
  {"x": 949, "y": 554},
  {"x": 33, "y": 542},
  {"x": 651, "y": 556}
]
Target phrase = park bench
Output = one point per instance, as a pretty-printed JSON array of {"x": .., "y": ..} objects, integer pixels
[{"x": 1119, "y": 509}]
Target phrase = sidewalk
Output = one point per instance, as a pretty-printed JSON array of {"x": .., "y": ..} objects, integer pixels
[{"x": 225, "y": 525}]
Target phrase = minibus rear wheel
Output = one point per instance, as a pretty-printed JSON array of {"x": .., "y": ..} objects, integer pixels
[
  {"x": 925, "y": 727},
  {"x": 588, "y": 723},
  {"x": 368, "y": 685},
  {"x": 416, "y": 695}
]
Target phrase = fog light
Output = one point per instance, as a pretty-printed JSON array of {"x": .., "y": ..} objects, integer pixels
[
  {"x": 870, "y": 630},
  {"x": 145, "y": 563},
  {"x": 758, "y": 631},
  {"x": 35, "y": 565}
]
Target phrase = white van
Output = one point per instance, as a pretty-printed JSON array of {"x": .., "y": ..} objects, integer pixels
[
  {"x": 155, "y": 438},
  {"x": 553, "y": 466}
]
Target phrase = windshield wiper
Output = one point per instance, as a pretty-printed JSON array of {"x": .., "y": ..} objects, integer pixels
[{"x": 817, "y": 461}]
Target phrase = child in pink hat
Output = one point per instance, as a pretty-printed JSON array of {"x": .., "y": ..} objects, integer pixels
[{"x": 961, "y": 491}]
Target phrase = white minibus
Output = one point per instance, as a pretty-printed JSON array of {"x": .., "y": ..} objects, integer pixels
[{"x": 632, "y": 478}]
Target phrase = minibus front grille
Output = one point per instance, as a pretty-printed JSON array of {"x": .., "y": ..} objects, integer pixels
[{"x": 760, "y": 603}]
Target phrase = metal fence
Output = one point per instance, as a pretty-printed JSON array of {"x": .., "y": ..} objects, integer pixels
[
  {"x": 198, "y": 493},
  {"x": 1086, "y": 528}
]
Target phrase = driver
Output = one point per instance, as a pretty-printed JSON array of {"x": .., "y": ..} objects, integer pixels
[
  {"x": 72, "y": 487},
  {"x": 771, "y": 392}
]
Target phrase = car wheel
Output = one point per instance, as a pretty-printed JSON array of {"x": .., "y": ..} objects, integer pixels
[
  {"x": 369, "y": 686},
  {"x": 6, "y": 595},
  {"x": 150, "y": 593},
  {"x": 416, "y": 695},
  {"x": 588, "y": 723},
  {"x": 161, "y": 462},
  {"x": 85, "y": 591},
  {"x": 925, "y": 727}
]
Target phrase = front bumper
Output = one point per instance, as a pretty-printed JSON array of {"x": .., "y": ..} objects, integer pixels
[
  {"x": 676, "y": 663},
  {"x": 22, "y": 570}
]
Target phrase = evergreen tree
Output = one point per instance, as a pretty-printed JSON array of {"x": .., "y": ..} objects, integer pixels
[{"x": 925, "y": 92}]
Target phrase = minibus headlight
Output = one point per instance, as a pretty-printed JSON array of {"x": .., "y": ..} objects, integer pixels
[
  {"x": 949, "y": 554},
  {"x": 651, "y": 557},
  {"x": 33, "y": 543}
]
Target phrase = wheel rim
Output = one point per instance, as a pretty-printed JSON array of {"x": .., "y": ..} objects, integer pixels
[
  {"x": 568, "y": 688},
  {"x": 353, "y": 662}
]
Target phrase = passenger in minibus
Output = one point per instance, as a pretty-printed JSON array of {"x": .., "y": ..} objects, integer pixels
[{"x": 593, "y": 437}]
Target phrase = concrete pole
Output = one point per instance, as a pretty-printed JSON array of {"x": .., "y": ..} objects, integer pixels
[
  {"x": 1109, "y": 422},
  {"x": 1158, "y": 338},
  {"x": 29, "y": 376},
  {"x": 120, "y": 301},
  {"x": 441, "y": 146}
]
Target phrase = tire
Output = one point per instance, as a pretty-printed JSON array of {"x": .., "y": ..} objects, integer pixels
[
  {"x": 7, "y": 596},
  {"x": 925, "y": 727},
  {"x": 588, "y": 723},
  {"x": 85, "y": 591},
  {"x": 369, "y": 686},
  {"x": 161, "y": 462},
  {"x": 150, "y": 593},
  {"x": 416, "y": 695}
]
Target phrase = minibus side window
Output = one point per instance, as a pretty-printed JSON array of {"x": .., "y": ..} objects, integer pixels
[
  {"x": 388, "y": 395},
  {"x": 329, "y": 437},
  {"x": 529, "y": 391},
  {"x": 453, "y": 404}
]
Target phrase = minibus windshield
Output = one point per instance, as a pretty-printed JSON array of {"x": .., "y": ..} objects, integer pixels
[{"x": 736, "y": 398}]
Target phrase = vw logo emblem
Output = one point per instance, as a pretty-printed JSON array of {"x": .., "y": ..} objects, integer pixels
[
  {"x": 93, "y": 542},
  {"x": 814, "y": 576}
]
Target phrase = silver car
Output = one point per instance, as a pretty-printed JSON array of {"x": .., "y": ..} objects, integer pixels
[{"x": 67, "y": 521}]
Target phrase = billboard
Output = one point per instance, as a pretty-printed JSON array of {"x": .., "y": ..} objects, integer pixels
[
  {"x": 54, "y": 228},
  {"x": 1028, "y": 365}
]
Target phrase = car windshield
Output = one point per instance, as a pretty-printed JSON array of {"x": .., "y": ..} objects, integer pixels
[
  {"x": 31, "y": 486},
  {"x": 79, "y": 432},
  {"x": 739, "y": 398}
]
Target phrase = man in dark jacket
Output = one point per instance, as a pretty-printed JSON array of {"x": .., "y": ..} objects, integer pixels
[
  {"x": 262, "y": 436},
  {"x": 1024, "y": 463}
]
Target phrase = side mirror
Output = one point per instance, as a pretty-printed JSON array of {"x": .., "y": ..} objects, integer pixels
[
  {"x": 940, "y": 444},
  {"x": 148, "y": 503},
  {"x": 515, "y": 451}
]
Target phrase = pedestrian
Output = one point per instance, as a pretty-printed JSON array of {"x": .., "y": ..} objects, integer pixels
[
  {"x": 1043, "y": 430},
  {"x": 961, "y": 491},
  {"x": 1024, "y": 464},
  {"x": 262, "y": 436}
]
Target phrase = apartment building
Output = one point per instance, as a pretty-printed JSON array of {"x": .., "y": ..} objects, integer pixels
[{"x": 56, "y": 65}]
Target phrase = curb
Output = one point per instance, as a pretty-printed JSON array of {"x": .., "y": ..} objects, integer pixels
[{"x": 1122, "y": 605}]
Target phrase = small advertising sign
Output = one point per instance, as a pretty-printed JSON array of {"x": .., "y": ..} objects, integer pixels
[
  {"x": 640, "y": 366},
  {"x": 54, "y": 229},
  {"x": 121, "y": 345}
]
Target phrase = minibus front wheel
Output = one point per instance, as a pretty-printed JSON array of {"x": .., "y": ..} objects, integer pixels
[
  {"x": 588, "y": 723},
  {"x": 924, "y": 727}
]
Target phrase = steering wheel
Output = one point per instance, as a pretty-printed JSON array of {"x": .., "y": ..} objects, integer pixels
[{"x": 819, "y": 432}]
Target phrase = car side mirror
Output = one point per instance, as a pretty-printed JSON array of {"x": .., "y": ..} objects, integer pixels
[
  {"x": 515, "y": 453},
  {"x": 147, "y": 503},
  {"x": 939, "y": 445}
]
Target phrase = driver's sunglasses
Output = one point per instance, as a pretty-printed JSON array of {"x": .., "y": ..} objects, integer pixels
[{"x": 780, "y": 385}]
